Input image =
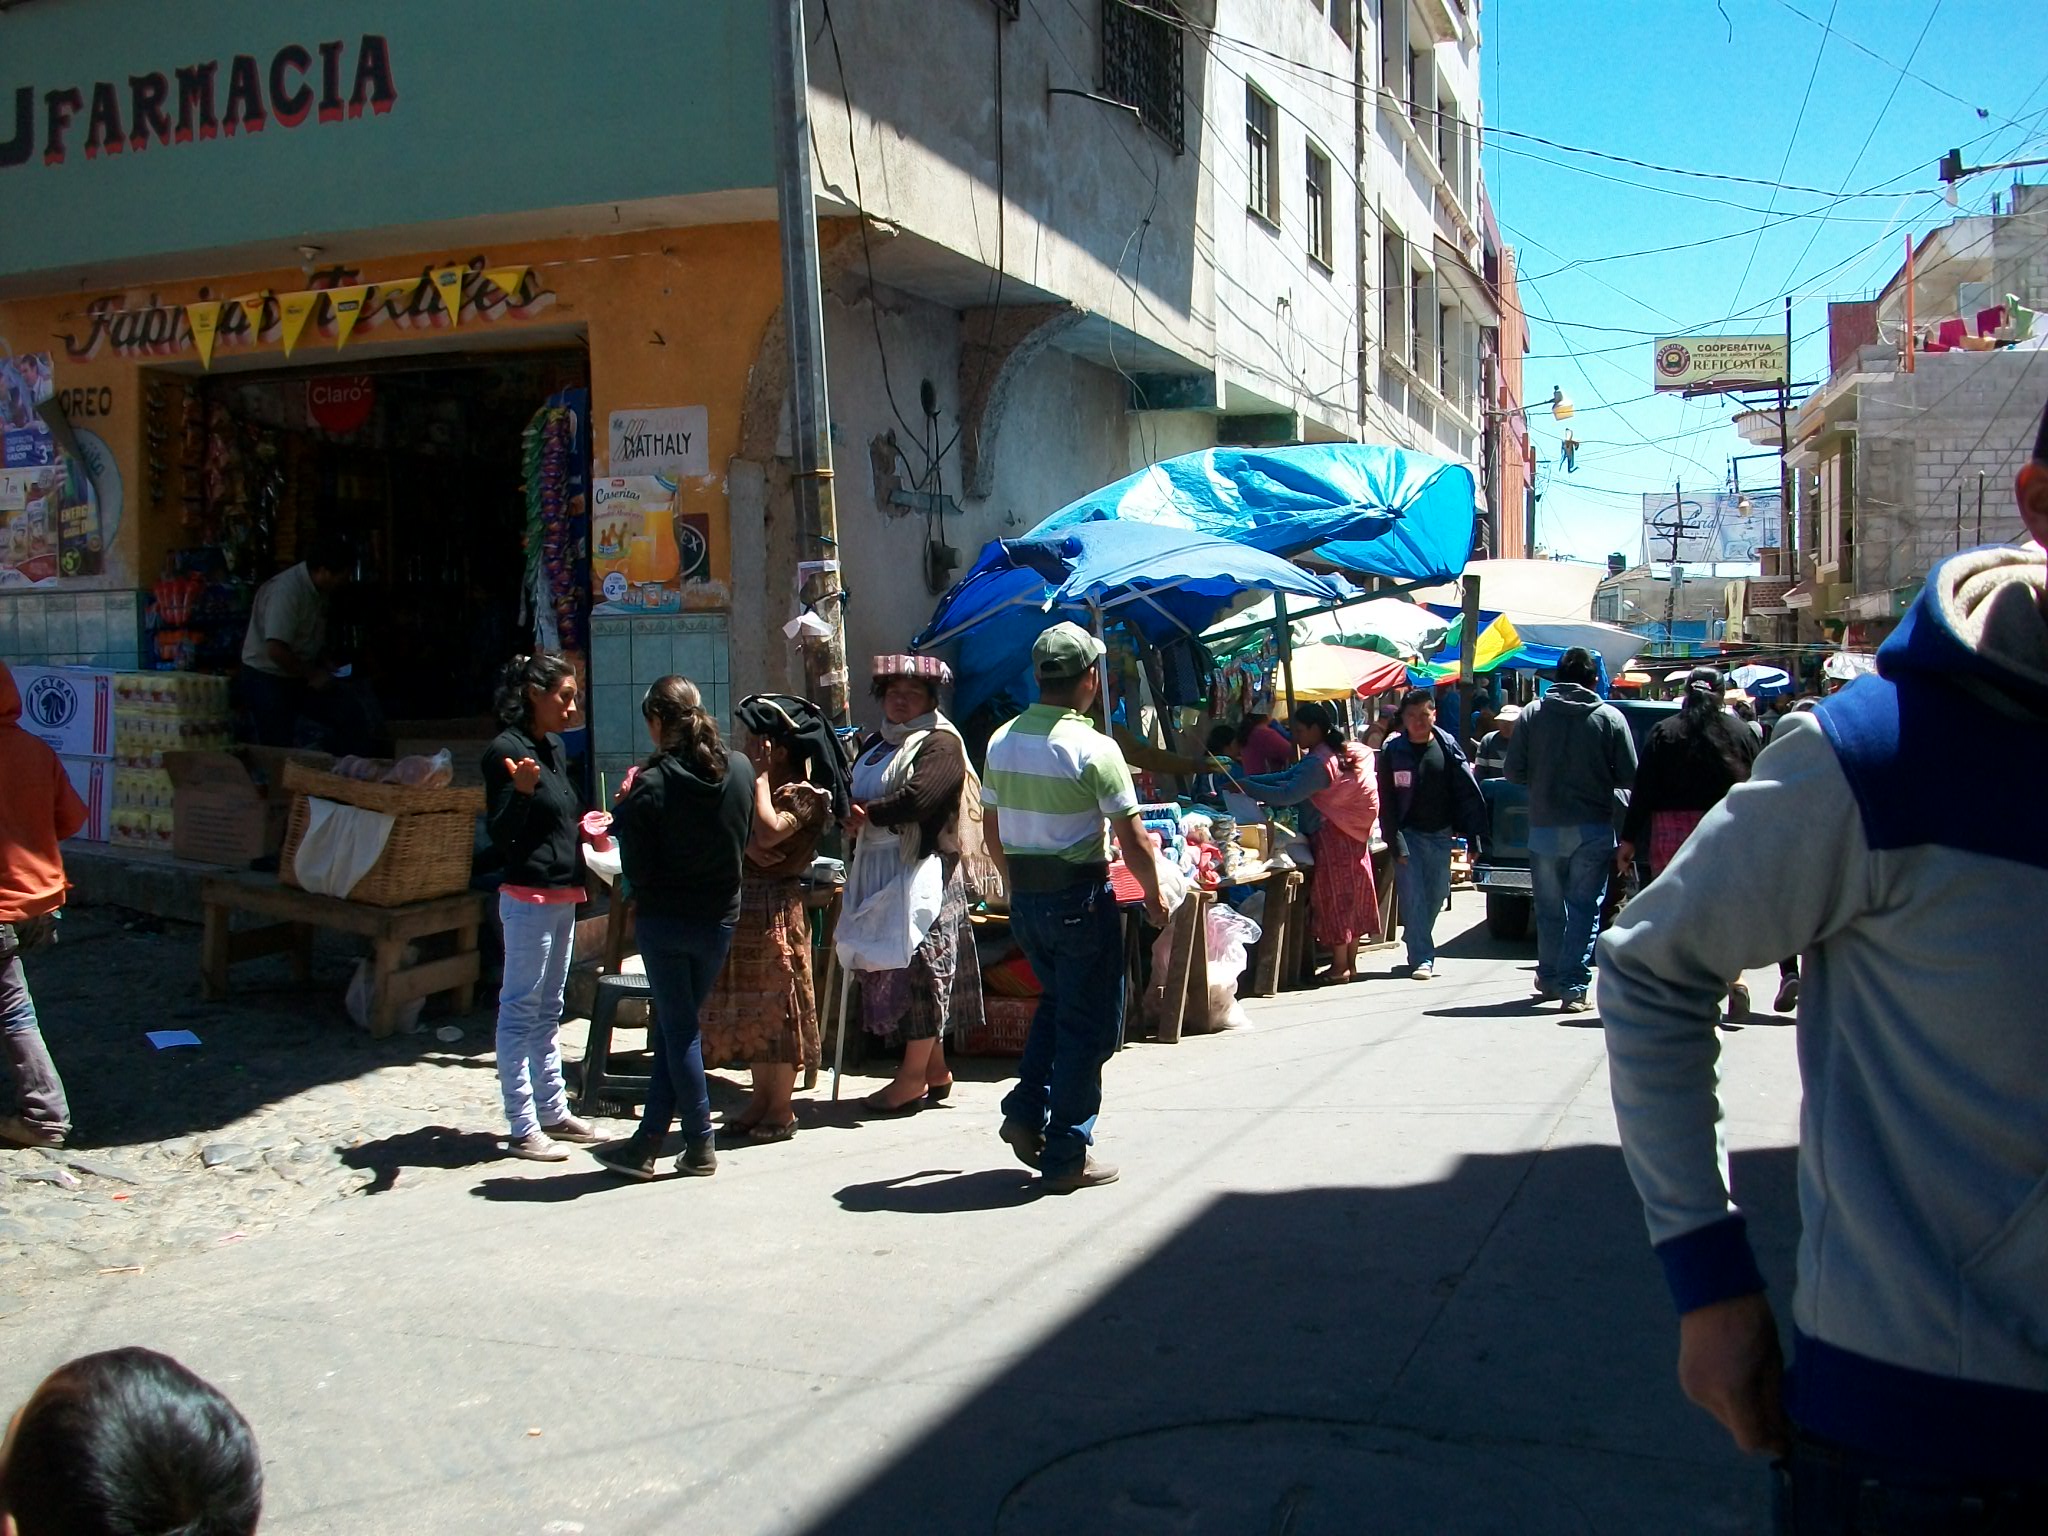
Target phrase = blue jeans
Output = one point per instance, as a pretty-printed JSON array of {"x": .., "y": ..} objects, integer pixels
[
  {"x": 38, "y": 1091},
  {"x": 683, "y": 958},
  {"x": 539, "y": 941},
  {"x": 1074, "y": 941},
  {"x": 1423, "y": 883},
  {"x": 1823, "y": 1489},
  {"x": 1568, "y": 869}
]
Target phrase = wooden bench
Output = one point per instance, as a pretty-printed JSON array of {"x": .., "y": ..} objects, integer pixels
[{"x": 294, "y": 914}]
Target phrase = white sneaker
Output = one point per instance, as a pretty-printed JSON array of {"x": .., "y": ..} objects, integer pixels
[
  {"x": 1421, "y": 972},
  {"x": 538, "y": 1147}
]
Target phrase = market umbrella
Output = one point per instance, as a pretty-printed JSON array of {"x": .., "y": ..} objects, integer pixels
[
  {"x": 1340, "y": 672},
  {"x": 1844, "y": 666},
  {"x": 1360, "y": 507},
  {"x": 1761, "y": 682},
  {"x": 1162, "y": 581}
]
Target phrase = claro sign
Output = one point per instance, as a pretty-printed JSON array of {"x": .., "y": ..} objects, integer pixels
[{"x": 329, "y": 82}]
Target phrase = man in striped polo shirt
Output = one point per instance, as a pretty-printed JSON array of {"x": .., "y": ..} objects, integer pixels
[{"x": 1056, "y": 789}]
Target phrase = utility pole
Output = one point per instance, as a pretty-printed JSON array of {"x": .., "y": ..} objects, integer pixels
[
  {"x": 1675, "y": 528},
  {"x": 810, "y": 411},
  {"x": 1787, "y": 538}
]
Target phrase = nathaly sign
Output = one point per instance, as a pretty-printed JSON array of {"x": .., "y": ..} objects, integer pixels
[{"x": 1712, "y": 362}]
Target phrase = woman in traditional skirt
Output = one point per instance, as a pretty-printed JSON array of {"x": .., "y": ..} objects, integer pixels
[
  {"x": 763, "y": 1010},
  {"x": 907, "y": 783},
  {"x": 1335, "y": 776}
]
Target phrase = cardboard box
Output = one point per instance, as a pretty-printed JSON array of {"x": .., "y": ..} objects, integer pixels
[
  {"x": 71, "y": 709},
  {"x": 93, "y": 778},
  {"x": 229, "y": 807}
]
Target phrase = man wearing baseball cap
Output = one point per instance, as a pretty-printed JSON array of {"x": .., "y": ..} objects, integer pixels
[{"x": 1056, "y": 789}]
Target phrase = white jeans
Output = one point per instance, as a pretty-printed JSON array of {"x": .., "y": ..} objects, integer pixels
[{"x": 539, "y": 943}]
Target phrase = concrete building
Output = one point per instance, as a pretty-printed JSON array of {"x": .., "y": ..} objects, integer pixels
[
  {"x": 1094, "y": 235},
  {"x": 1891, "y": 461},
  {"x": 1509, "y": 454},
  {"x": 1641, "y": 598}
]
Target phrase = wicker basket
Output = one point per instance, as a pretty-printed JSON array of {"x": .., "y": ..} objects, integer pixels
[
  {"x": 1005, "y": 1026},
  {"x": 432, "y": 843}
]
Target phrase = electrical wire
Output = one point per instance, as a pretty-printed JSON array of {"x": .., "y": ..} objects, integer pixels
[
  {"x": 995, "y": 306},
  {"x": 1903, "y": 70}
]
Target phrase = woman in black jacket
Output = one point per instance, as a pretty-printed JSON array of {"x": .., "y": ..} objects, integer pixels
[
  {"x": 532, "y": 814},
  {"x": 1688, "y": 765},
  {"x": 682, "y": 824}
]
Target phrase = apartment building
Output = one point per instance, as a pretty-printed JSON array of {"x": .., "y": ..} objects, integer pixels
[{"x": 1900, "y": 465}]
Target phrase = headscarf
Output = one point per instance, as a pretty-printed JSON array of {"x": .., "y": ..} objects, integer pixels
[{"x": 801, "y": 727}]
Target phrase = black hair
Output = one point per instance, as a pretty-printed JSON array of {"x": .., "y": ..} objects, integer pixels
[
  {"x": 539, "y": 672},
  {"x": 1577, "y": 666},
  {"x": 1248, "y": 723},
  {"x": 330, "y": 552},
  {"x": 688, "y": 733},
  {"x": 1220, "y": 736},
  {"x": 1703, "y": 696},
  {"x": 130, "y": 1443},
  {"x": 1323, "y": 717},
  {"x": 1416, "y": 696},
  {"x": 879, "y": 688}
]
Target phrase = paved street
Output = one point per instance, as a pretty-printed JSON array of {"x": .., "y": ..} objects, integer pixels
[{"x": 1374, "y": 1264}]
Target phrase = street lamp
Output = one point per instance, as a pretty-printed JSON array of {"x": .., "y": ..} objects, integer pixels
[{"x": 1742, "y": 506}]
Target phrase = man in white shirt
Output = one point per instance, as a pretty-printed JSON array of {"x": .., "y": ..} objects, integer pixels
[{"x": 284, "y": 652}]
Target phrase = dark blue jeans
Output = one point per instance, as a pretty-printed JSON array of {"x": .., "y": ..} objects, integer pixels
[
  {"x": 683, "y": 958},
  {"x": 1074, "y": 941}
]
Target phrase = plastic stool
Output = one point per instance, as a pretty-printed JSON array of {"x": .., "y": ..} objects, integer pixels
[{"x": 598, "y": 1080}]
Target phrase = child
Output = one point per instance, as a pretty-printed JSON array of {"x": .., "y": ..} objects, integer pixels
[
  {"x": 39, "y": 807},
  {"x": 129, "y": 1443}
]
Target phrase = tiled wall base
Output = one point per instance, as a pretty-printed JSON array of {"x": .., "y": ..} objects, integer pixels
[
  {"x": 630, "y": 652},
  {"x": 71, "y": 629}
]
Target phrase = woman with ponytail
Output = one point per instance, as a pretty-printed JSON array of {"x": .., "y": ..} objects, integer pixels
[
  {"x": 532, "y": 813},
  {"x": 682, "y": 823},
  {"x": 1688, "y": 765}
]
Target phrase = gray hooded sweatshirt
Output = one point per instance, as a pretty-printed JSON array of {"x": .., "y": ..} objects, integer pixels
[
  {"x": 1898, "y": 837},
  {"x": 1574, "y": 751}
]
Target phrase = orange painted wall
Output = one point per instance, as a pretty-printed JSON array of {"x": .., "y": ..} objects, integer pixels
[{"x": 670, "y": 317}]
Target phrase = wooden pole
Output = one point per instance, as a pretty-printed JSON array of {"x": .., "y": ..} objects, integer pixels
[{"x": 1286, "y": 638}]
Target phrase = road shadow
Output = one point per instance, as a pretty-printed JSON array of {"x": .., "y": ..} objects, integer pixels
[
  {"x": 571, "y": 1184},
  {"x": 1513, "y": 1008},
  {"x": 431, "y": 1146},
  {"x": 1489, "y": 1352},
  {"x": 942, "y": 1192}
]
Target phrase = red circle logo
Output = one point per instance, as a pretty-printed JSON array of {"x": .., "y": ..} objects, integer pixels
[{"x": 341, "y": 402}]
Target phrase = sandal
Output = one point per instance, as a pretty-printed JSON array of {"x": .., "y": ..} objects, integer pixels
[
  {"x": 877, "y": 1103},
  {"x": 769, "y": 1130},
  {"x": 938, "y": 1093}
]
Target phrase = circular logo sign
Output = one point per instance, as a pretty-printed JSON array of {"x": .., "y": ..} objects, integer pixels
[
  {"x": 694, "y": 548},
  {"x": 50, "y": 703},
  {"x": 340, "y": 403},
  {"x": 615, "y": 587},
  {"x": 1673, "y": 359}
]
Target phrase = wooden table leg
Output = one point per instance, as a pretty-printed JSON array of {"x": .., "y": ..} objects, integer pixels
[
  {"x": 464, "y": 998},
  {"x": 1186, "y": 931},
  {"x": 387, "y": 957},
  {"x": 213, "y": 954},
  {"x": 1195, "y": 1004}
]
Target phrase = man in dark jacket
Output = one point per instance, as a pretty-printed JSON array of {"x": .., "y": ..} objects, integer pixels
[
  {"x": 1427, "y": 793},
  {"x": 1575, "y": 753}
]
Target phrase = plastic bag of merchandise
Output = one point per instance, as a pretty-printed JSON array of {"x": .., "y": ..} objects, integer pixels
[
  {"x": 1230, "y": 935},
  {"x": 436, "y": 772},
  {"x": 361, "y": 986}
]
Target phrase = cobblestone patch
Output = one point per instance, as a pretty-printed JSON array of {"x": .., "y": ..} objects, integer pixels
[{"x": 283, "y": 1107}]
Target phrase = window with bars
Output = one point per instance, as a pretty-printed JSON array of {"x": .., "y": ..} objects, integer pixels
[
  {"x": 1141, "y": 65},
  {"x": 1321, "y": 246},
  {"x": 1261, "y": 154},
  {"x": 1418, "y": 292},
  {"x": 1447, "y": 371}
]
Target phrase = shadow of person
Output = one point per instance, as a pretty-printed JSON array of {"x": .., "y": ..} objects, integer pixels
[
  {"x": 1513, "y": 1008},
  {"x": 431, "y": 1146},
  {"x": 942, "y": 1192},
  {"x": 556, "y": 1190}
]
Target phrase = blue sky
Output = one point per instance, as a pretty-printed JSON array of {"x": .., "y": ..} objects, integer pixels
[{"x": 1693, "y": 84}]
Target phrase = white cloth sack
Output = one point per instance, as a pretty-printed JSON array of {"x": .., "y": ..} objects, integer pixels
[
  {"x": 362, "y": 985},
  {"x": 341, "y": 844},
  {"x": 890, "y": 905}
]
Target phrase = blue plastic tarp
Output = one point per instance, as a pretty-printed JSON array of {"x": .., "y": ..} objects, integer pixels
[
  {"x": 1365, "y": 509},
  {"x": 1162, "y": 581}
]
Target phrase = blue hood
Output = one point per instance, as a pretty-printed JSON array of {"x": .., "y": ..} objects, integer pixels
[{"x": 1979, "y": 618}]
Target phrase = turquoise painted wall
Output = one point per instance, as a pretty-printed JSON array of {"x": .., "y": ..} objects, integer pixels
[{"x": 501, "y": 107}]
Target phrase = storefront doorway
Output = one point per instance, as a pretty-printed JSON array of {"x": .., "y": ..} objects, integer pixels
[{"x": 419, "y": 465}]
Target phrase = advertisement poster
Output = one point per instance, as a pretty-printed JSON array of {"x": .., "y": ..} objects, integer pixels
[
  {"x": 56, "y": 523},
  {"x": 636, "y": 559},
  {"x": 27, "y": 380}
]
